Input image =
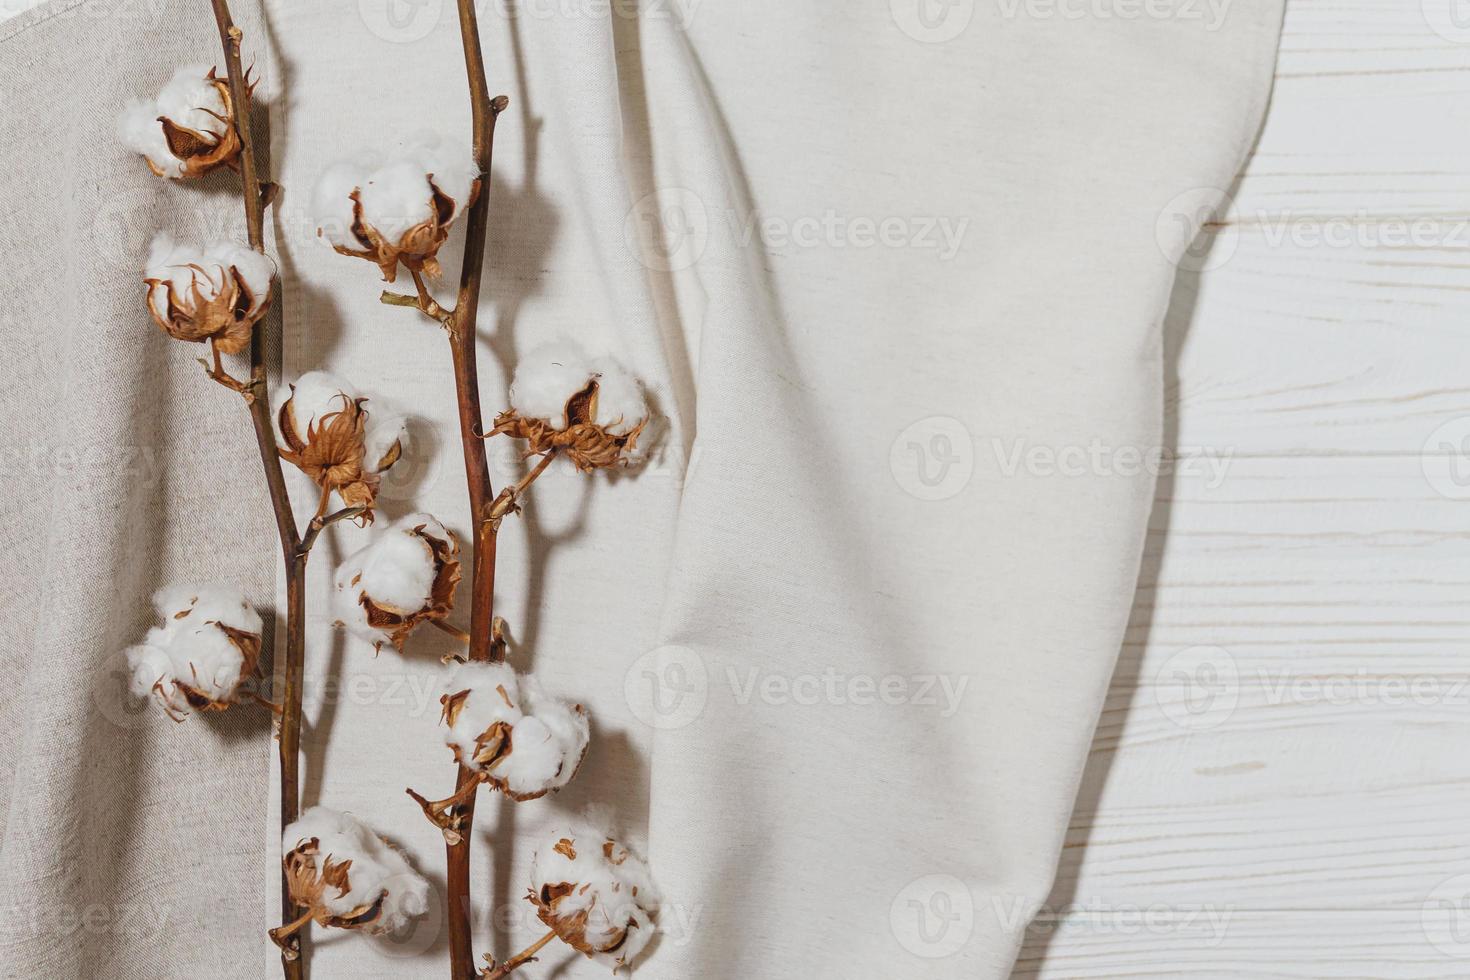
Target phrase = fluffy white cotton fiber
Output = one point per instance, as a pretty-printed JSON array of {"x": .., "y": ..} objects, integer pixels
[
  {"x": 378, "y": 870},
  {"x": 183, "y": 266},
  {"x": 552, "y": 373},
  {"x": 610, "y": 907},
  {"x": 396, "y": 571},
  {"x": 188, "y": 100},
  {"x": 548, "y": 737},
  {"x": 190, "y": 648},
  {"x": 397, "y": 194}
]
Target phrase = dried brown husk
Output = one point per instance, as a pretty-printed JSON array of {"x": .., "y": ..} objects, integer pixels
[
  {"x": 309, "y": 874},
  {"x": 418, "y": 247},
  {"x": 398, "y": 623},
  {"x": 331, "y": 453},
  {"x": 200, "y": 152},
  {"x": 588, "y": 445},
  {"x": 226, "y": 318}
]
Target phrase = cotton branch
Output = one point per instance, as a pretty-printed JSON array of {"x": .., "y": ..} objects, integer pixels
[
  {"x": 461, "y": 328},
  {"x": 257, "y": 396}
]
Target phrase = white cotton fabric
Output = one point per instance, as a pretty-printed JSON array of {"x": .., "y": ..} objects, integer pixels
[
  {"x": 190, "y": 646},
  {"x": 828, "y": 496},
  {"x": 378, "y": 870},
  {"x": 184, "y": 266},
  {"x": 546, "y": 377},
  {"x": 548, "y": 737},
  {"x": 188, "y": 100}
]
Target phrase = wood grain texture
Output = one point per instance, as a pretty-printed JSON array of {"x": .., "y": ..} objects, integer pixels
[{"x": 1286, "y": 744}]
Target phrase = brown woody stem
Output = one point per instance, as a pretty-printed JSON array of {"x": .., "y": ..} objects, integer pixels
[
  {"x": 527, "y": 955},
  {"x": 257, "y": 396},
  {"x": 462, "y": 339}
]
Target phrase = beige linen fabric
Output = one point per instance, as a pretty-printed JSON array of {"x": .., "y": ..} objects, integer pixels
[{"x": 843, "y": 647}]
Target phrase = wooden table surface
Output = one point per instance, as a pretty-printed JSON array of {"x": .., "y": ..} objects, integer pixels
[{"x": 1280, "y": 784}]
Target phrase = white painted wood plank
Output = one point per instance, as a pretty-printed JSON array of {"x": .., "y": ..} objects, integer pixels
[
  {"x": 1316, "y": 784},
  {"x": 1318, "y": 567},
  {"x": 1333, "y": 313},
  {"x": 1214, "y": 943}
]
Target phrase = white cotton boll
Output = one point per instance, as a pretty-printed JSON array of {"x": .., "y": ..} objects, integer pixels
[
  {"x": 397, "y": 197},
  {"x": 546, "y": 377},
  {"x": 620, "y": 402},
  {"x": 451, "y": 166},
  {"x": 548, "y": 737},
  {"x": 191, "y": 648},
  {"x": 192, "y": 101},
  {"x": 139, "y": 130},
  {"x": 614, "y": 892},
  {"x": 398, "y": 571},
  {"x": 378, "y": 869},
  {"x": 379, "y": 436},
  {"x": 183, "y": 266},
  {"x": 332, "y": 207},
  {"x": 314, "y": 396},
  {"x": 187, "y": 100}
]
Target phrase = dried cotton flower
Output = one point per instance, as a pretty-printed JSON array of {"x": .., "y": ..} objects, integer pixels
[
  {"x": 589, "y": 409},
  {"x": 405, "y": 577},
  {"x": 399, "y": 210},
  {"x": 197, "y": 660},
  {"x": 324, "y": 430},
  {"x": 509, "y": 733},
  {"x": 346, "y": 877},
  {"x": 217, "y": 293},
  {"x": 595, "y": 895},
  {"x": 189, "y": 129}
]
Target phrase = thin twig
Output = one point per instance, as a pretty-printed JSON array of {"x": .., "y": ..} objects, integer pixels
[
  {"x": 462, "y": 339},
  {"x": 451, "y": 629},
  {"x": 322, "y": 521},
  {"x": 527, "y": 955},
  {"x": 509, "y": 500},
  {"x": 257, "y": 396}
]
